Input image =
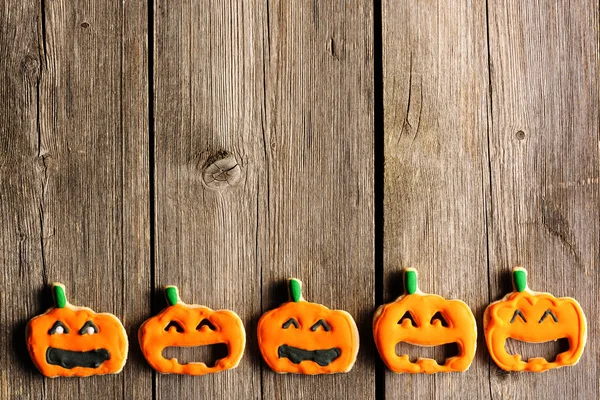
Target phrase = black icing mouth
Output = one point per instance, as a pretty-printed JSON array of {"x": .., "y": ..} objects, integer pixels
[
  {"x": 296, "y": 355},
  {"x": 70, "y": 359}
]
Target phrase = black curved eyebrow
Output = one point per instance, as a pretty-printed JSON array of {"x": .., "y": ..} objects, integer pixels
[
  {"x": 407, "y": 315},
  {"x": 520, "y": 314},
  {"x": 206, "y": 322},
  {"x": 322, "y": 324},
  {"x": 52, "y": 330},
  {"x": 548, "y": 312},
  {"x": 175, "y": 324},
  {"x": 88, "y": 324},
  {"x": 289, "y": 322},
  {"x": 438, "y": 316}
]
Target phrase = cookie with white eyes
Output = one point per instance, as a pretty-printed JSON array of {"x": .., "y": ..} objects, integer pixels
[{"x": 75, "y": 341}]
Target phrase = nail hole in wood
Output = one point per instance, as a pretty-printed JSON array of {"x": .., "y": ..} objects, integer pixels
[{"x": 520, "y": 135}]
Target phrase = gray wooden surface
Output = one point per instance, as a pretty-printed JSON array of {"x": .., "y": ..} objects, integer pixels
[
  {"x": 436, "y": 169},
  {"x": 225, "y": 146},
  {"x": 544, "y": 205},
  {"x": 73, "y": 179}
]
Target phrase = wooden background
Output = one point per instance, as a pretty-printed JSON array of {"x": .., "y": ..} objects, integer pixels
[{"x": 223, "y": 146}]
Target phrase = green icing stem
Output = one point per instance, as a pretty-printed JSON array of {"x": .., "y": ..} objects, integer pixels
[
  {"x": 295, "y": 289},
  {"x": 59, "y": 296},
  {"x": 520, "y": 280},
  {"x": 172, "y": 295},
  {"x": 410, "y": 281}
]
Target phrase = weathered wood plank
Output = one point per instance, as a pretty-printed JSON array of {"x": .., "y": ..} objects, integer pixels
[
  {"x": 209, "y": 104},
  {"x": 435, "y": 82},
  {"x": 21, "y": 192},
  {"x": 75, "y": 180},
  {"x": 317, "y": 218},
  {"x": 544, "y": 159},
  {"x": 286, "y": 93},
  {"x": 135, "y": 185}
]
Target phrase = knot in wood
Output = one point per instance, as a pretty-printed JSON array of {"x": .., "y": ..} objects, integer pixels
[
  {"x": 222, "y": 170},
  {"x": 30, "y": 66}
]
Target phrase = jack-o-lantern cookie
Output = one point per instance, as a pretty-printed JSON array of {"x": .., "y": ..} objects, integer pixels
[
  {"x": 307, "y": 338},
  {"x": 75, "y": 341},
  {"x": 190, "y": 325},
  {"x": 533, "y": 317},
  {"x": 424, "y": 320}
]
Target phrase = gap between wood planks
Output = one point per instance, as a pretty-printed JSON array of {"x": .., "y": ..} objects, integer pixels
[
  {"x": 379, "y": 155},
  {"x": 379, "y": 178},
  {"x": 152, "y": 172}
]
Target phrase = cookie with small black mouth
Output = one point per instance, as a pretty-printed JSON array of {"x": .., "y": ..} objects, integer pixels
[{"x": 301, "y": 337}]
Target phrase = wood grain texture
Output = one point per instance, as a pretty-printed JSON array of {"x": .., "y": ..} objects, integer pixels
[
  {"x": 75, "y": 179},
  {"x": 544, "y": 212},
  {"x": 318, "y": 215},
  {"x": 21, "y": 192},
  {"x": 209, "y": 101},
  {"x": 436, "y": 101},
  {"x": 286, "y": 93},
  {"x": 263, "y": 169}
]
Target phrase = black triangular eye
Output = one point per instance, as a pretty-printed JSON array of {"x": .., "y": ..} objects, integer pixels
[
  {"x": 407, "y": 315},
  {"x": 175, "y": 325},
  {"x": 289, "y": 322},
  {"x": 86, "y": 328},
  {"x": 548, "y": 312},
  {"x": 438, "y": 316},
  {"x": 206, "y": 322},
  {"x": 58, "y": 328},
  {"x": 320, "y": 323},
  {"x": 520, "y": 314}
]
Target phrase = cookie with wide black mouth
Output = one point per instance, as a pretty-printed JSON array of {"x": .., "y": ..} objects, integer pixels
[
  {"x": 70, "y": 359},
  {"x": 76, "y": 341}
]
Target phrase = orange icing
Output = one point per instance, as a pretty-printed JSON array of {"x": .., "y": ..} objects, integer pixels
[
  {"x": 229, "y": 330},
  {"x": 343, "y": 335},
  {"x": 571, "y": 325},
  {"x": 461, "y": 329},
  {"x": 111, "y": 336}
]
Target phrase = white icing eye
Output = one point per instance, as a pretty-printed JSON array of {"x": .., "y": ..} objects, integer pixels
[
  {"x": 88, "y": 328},
  {"x": 59, "y": 330}
]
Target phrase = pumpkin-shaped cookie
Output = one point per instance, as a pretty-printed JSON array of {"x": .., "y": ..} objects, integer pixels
[
  {"x": 533, "y": 317},
  {"x": 414, "y": 318},
  {"x": 307, "y": 338},
  {"x": 183, "y": 325},
  {"x": 75, "y": 341}
]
